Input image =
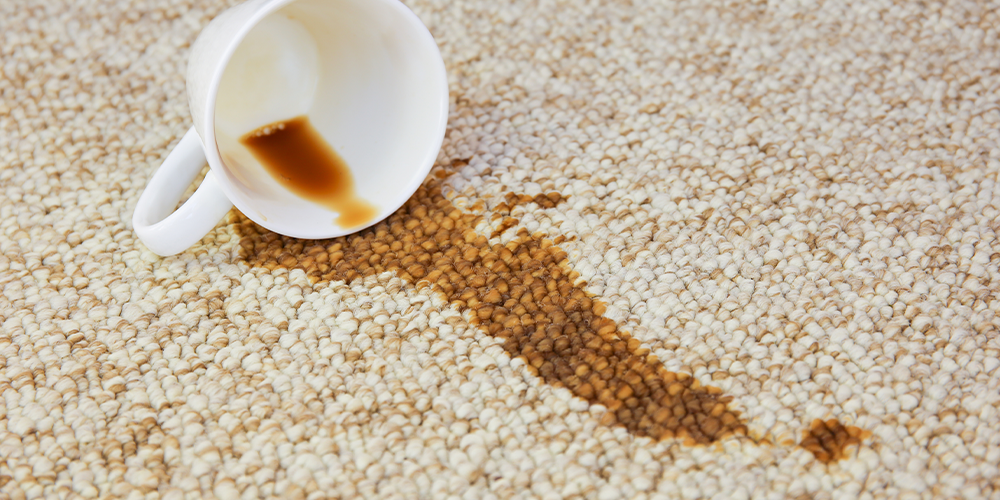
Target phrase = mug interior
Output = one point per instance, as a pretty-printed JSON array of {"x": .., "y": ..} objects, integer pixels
[{"x": 370, "y": 79}]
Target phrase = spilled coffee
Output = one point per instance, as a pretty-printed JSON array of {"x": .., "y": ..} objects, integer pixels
[{"x": 298, "y": 157}]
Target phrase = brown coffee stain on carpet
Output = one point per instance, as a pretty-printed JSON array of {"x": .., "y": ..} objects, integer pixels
[
  {"x": 503, "y": 209},
  {"x": 828, "y": 440},
  {"x": 522, "y": 292}
]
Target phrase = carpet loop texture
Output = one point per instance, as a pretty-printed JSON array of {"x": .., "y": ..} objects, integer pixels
[{"x": 669, "y": 249}]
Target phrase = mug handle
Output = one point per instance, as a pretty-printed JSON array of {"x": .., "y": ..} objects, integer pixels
[{"x": 167, "y": 233}]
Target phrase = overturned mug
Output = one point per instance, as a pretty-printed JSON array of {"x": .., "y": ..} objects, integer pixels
[{"x": 274, "y": 85}]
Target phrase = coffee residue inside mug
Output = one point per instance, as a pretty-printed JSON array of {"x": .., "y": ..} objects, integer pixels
[{"x": 298, "y": 157}]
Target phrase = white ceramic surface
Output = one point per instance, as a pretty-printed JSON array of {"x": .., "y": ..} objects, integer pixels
[{"x": 368, "y": 75}]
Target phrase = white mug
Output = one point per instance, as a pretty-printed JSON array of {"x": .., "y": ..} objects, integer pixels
[{"x": 366, "y": 73}]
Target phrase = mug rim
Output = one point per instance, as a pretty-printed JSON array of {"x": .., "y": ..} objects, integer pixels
[{"x": 214, "y": 156}]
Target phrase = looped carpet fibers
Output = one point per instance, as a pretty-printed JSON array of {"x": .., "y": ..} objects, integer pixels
[{"x": 670, "y": 249}]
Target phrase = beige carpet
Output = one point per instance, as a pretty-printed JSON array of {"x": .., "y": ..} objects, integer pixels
[{"x": 670, "y": 249}]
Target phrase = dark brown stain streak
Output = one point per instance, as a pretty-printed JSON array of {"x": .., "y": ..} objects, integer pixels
[
  {"x": 828, "y": 441},
  {"x": 522, "y": 292}
]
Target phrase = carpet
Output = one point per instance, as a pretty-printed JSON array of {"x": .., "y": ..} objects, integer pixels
[{"x": 669, "y": 249}]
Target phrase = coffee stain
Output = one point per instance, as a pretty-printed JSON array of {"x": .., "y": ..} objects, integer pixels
[
  {"x": 300, "y": 159},
  {"x": 828, "y": 440},
  {"x": 522, "y": 292},
  {"x": 511, "y": 200},
  {"x": 503, "y": 209}
]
